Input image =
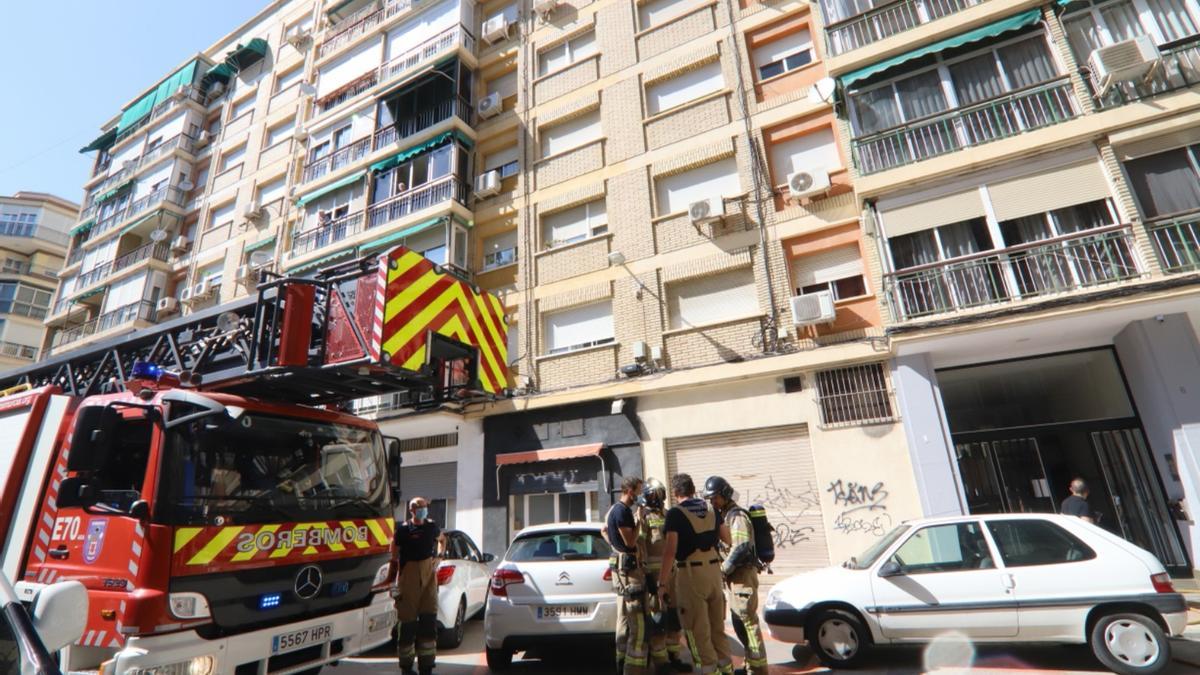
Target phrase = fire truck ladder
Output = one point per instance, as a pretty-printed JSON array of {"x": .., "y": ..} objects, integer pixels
[{"x": 275, "y": 345}]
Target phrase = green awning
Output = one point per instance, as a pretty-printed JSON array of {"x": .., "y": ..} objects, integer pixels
[
  {"x": 183, "y": 77},
  {"x": 244, "y": 56},
  {"x": 222, "y": 72},
  {"x": 316, "y": 194},
  {"x": 87, "y": 294},
  {"x": 408, "y": 153},
  {"x": 321, "y": 261},
  {"x": 103, "y": 142},
  {"x": 983, "y": 32},
  {"x": 139, "y": 221},
  {"x": 134, "y": 113},
  {"x": 259, "y": 244},
  {"x": 100, "y": 199},
  {"x": 397, "y": 236},
  {"x": 82, "y": 227}
]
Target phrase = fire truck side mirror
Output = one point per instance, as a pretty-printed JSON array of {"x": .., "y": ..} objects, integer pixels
[
  {"x": 92, "y": 437},
  {"x": 74, "y": 492},
  {"x": 140, "y": 510},
  {"x": 392, "y": 445}
]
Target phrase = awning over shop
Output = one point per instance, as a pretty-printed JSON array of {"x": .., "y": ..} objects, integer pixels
[
  {"x": 244, "y": 56},
  {"x": 134, "y": 113},
  {"x": 397, "y": 236},
  {"x": 100, "y": 199},
  {"x": 82, "y": 227},
  {"x": 317, "y": 194},
  {"x": 222, "y": 72},
  {"x": 982, "y": 33},
  {"x": 550, "y": 454},
  {"x": 103, "y": 142},
  {"x": 408, "y": 153}
]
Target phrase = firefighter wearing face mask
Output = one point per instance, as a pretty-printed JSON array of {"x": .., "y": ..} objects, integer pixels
[
  {"x": 419, "y": 544},
  {"x": 664, "y": 629}
]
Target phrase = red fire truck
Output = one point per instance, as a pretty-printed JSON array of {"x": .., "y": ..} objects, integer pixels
[{"x": 202, "y": 481}]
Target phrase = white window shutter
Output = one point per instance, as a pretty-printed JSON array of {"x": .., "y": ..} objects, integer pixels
[
  {"x": 711, "y": 181},
  {"x": 811, "y": 151},
  {"x": 712, "y": 299},
  {"x": 784, "y": 46},
  {"x": 688, "y": 86},
  {"x": 826, "y": 266},
  {"x": 579, "y": 326}
]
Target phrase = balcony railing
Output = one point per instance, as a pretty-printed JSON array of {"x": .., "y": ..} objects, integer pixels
[
  {"x": 1048, "y": 267},
  {"x": 447, "y": 39},
  {"x": 1178, "y": 69},
  {"x": 152, "y": 155},
  {"x": 1177, "y": 243},
  {"x": 887, "y": 20},
  {"x": 1025, "y": 110},
  {"x": 422, "y": 120},
  {"x": 18, "y": 351},
  {"x": 327, "y": 233},
  {"x": 499, "y": 258},
  {"x": 186, "y": 93},
  {"x": 167, "y": 194},
  {"x": 344, "y": 32},
  {"x": 143, "y": 310},
  {"x": 337, "y": 159},
  {"x": 76, "y": 256},
  {"x": 354, "y": 88}
]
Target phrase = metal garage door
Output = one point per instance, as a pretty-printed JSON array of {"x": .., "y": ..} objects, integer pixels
[
  {"x": 436, "y": 482},
  {"x": 772, "y": 467}
]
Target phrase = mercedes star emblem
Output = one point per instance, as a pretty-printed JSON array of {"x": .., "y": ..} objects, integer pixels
[
  {"x": 564, "y": 579},
  {"x": 308, "y": 582}
]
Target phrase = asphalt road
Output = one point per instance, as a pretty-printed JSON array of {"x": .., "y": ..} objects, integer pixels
[{"x": 1060, "y": 660}]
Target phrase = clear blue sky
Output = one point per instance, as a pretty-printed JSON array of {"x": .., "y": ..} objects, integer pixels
[{"x": 66, "y": 67}]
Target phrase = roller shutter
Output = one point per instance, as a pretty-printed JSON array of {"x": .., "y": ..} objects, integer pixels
[
  {"x": 774, "y": 467},
  {"x": 431, "y": 481}
]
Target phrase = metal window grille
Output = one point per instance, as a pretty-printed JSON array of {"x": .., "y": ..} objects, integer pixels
[
  {"x": 428, "y": 442},
  {"x": 854, "y": 395}
]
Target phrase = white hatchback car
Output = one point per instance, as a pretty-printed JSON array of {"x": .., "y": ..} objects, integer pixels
[
  {"x": 463, "y": 576},
  {"x": 996, "y": 578},
  {"x": 553, "y": 584}
]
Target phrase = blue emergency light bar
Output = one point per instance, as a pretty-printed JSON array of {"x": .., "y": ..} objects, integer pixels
[{"x": 269, "y": 600}]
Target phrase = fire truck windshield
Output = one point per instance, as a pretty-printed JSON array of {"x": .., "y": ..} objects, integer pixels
[{"x": 263, "y": 468}]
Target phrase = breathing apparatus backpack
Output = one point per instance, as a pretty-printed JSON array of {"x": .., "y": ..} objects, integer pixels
[{"x": 764, "y": 543}]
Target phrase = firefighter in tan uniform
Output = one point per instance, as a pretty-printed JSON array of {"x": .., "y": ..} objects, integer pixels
[
  {"x": 419, "y": 545},
  {"x": 695, "y": 579},
  {"x": 629, "y": 582},
  {"x": 740, "y": 569},
  {"x": 664, "y": 625}
]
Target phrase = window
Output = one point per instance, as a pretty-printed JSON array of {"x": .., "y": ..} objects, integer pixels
[
  {"x": 241, "y": 107},
  {"x": 688, "y": 86},
  {"x": 500, "y": 250},
  {"x": 506, "y": 161},
  {"x": 1098, "y": 24},
  {"x": 834, "y": 11},
  {"x": 341, "y": 137},
  {"x": 853, "y": 395},
  {"x": 1166, "y": 183},
  {"x": 567, "y": 52},
  {"x": 1023, "y": 543},
  {"x": 816, "y": 150},
  {"x": 415, "y": 172},
  {"x": 505, "y": 85},
  {"x": 956, "y": 547},
  {"x": 712, "y": 299},
  {"x": 574, "y": 133},
  {"x": 579, "y": 327},
  {"x": 839, "y": 271},
  {"x": 18, "y": 224},
  {"x": 272, "y": 191},
  {"x": 718, "y": 180},
  {"x": 657, "y": 12},
  {"x": 575, "y": 224},
  {"x": 289, "y": 78},
  {"x": 222, "y": 215},
  {"x": 553, "y": 546},
  {"x": 788, "y": 53},
  {"x": 941, "y": 243},
  {"x": 280, "y": 132},
  {"x": 233, "y": 157}
]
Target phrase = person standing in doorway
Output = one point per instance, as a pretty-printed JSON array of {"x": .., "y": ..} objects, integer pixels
[
  {"x": 664, "y": 631},
  {"x": 1076, "y": 503},
  {"x": 691, "y": 541},
  {"x": 739, "y": 568},
  {"x": 629, "y": 581},
  {"x": 419, "y": 545}
]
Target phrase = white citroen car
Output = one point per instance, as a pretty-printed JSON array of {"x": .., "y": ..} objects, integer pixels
[
  {"x": 463, "y": 576},
  {"x": 552, "y": 585},
  {"x": 998, "y": 578}
]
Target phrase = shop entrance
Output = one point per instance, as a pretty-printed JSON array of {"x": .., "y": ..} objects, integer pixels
[{"x": 1024, "y": 429}]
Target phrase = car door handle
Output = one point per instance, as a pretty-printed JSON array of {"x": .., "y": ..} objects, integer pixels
[
  {"x": 1009, "y": 582},
  {"x": 59, "y": 553}
]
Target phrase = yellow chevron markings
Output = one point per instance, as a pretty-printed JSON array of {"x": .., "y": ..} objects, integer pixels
[
  {"x": 184, "y": 535},
  {"x": 358, "y": 543},
  {"x": 218, "y": 544},
  {"x": 377, "y": 530},
  {"x": 243, "y": 556}
]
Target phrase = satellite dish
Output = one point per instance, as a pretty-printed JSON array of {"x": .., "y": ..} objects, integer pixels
[
  {"x": 822, "y": 90},
  {"x": 186, "y": 185},
  {"x": 261, "y": 257},
  {"x": 159, "y": 235},
  {"x": 227, "y": 322}
]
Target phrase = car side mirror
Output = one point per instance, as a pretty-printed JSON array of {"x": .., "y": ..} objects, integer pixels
[
  {"x": 60, "y": 613},
  {"x": 488, "y": 557},
  {"x": 891, "y": 568}
]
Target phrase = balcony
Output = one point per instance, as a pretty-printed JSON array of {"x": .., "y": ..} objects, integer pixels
[
  {"x": 152, "y": 251},
  {"x": 167, "y": 194},
  {"x": 13, "y": 350},
  {"x": 182, "y": 95},
  {"x": 143, "y": 310},
  {"x": 887, "y": 20},
  {"x": 327, "y": 233},
  {"x": 337, "y": 159},
  {"x": 399, "y": 66},
  {"x": 1031, "y": 108},
  {"x": 187, "y": 143},
  {"x": 414, "y": 124},
  {"x": 1049, "y": 267},
  {"x": 346, "y": 31},
  {"x": 1178, "y": 69},
  {"x": 1177, "y": 243}
]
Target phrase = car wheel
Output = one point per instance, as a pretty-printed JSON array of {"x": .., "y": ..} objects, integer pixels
[
  {"x": 499, "y": 659},
  {"x": 1130, "y": 644},
  {"x": 838, "y": 638},
  {"x": 449, "y": 638}
]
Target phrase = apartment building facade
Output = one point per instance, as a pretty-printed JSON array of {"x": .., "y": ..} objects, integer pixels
[{"x": 33, "y": 239}]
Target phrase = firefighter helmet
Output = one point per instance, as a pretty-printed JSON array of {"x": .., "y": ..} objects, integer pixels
[
  {"x": 654, "y": 493},
  {"x": 715, "y": 485}
]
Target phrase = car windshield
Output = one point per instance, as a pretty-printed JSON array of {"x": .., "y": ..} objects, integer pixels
[
  {"x": 550, "y": 546},
  {"x": 263, "y": 468},
  {"x": 869, "y": 556}
]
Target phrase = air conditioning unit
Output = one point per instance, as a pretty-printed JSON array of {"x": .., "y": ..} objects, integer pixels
[
  {"x": 299, "y": 38},
  {"x": 204, "y": 139},
  {"x": 216, "y": 89},
  {"x": 252, "y": 211},
  {"x": 186, "y": 294},
  {"x": 180, "y": 243},
  {"x": 487, "y": 184},
  {"x": 1126, "y": 61},
  {"x": 495, "y": 29},
  {"x": 488, "y": 106},
  {"x": 200, "y": 290},
  {"x": 167, "y": 305},
  {"x": 813, "y": 308},
  {"x": 802, "y": 184},
  {"x": 300, "y": 134},
  {"x": 544, "y": 7},
  {"x": 706, "y": 210}
]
